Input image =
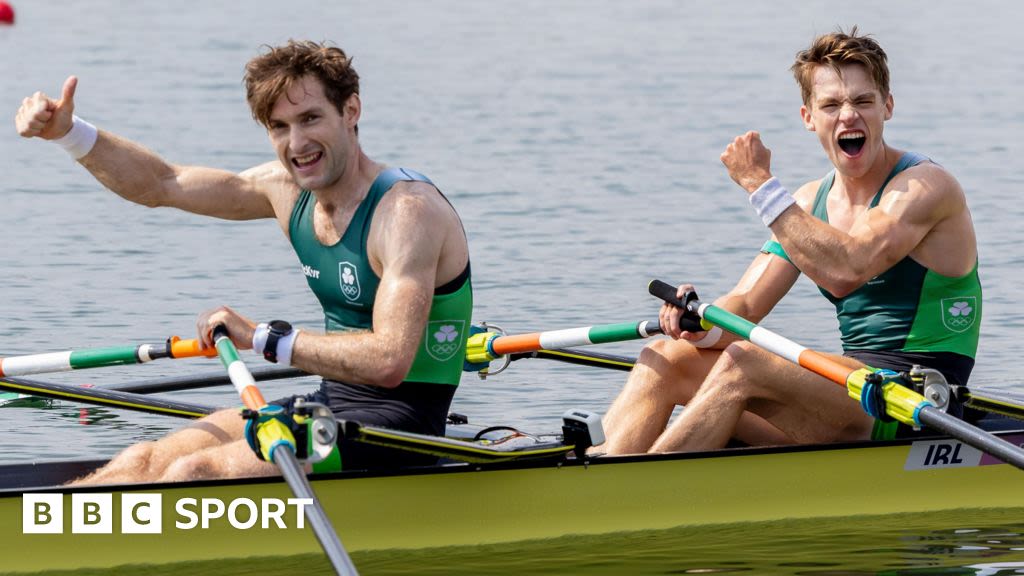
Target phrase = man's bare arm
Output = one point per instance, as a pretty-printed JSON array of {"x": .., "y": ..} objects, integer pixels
[
  {"x": 137, "y": 174},
  {"x": 407, "y": 239},
  {"x": 919, "y": 199},
  {"x": 141, "y": 176}
]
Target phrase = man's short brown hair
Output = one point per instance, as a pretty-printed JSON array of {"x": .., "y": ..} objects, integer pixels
[
  {"x": 271, "y": 74},
  {"x": 840, "y": 49}
]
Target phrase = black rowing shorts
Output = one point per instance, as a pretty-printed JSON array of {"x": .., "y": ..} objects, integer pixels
[{"x": 411, "y": 407}]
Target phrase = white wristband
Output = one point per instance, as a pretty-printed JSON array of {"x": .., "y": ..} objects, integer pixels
[
  {"x": 284, "y": 345},
  {"x": 710, "y": 338},
  {"x": 80, "y": 139},
  {"x": 771, "y": 200},
  {"x": 259, "y": 338},
  {"x": 284, "y": 348}
]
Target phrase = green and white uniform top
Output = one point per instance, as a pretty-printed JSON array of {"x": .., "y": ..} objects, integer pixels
[
  {"x": 346, "y": 286},
  {"x": 907, "y": 308}
]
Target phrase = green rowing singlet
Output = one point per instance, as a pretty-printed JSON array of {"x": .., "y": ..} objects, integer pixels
[
  {"x": 346, "y": 286},
  {"x": 907, "y": 308}
]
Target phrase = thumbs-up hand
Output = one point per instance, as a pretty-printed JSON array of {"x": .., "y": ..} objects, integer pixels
[{"x": 43, "y": 117}]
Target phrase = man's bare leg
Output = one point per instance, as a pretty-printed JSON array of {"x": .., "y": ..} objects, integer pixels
[
  {"x": 149, "y": 461},
  {"x": 746, "y": 379},
  {"x": 668, "y": 373},
  {"x": 232, "y": 460}
]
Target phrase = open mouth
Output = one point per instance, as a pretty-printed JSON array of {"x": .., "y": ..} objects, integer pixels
[
  {"x": 307, "y": 160},
  {"x": 852, "y": 142}
]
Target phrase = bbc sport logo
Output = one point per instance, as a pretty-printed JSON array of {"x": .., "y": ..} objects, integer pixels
[{"x": 94, "y": 513}]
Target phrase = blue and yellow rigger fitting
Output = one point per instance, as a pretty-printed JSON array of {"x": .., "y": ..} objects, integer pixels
[
  {"x": 479, "y": 352},
  {"x": 269, "y": 428},
  {"x": 895, "y": 400}
]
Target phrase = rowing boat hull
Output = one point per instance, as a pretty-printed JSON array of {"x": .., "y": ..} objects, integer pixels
[{"x": 464, "y": 505}]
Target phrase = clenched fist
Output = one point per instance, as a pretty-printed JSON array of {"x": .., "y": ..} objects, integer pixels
[{"x": 748, "y": 161}]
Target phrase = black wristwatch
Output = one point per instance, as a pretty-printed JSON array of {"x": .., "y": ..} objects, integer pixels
[{"x": 278, "y": 329}]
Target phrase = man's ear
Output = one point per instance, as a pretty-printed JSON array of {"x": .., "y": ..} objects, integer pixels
[
  {"x": 805, "y": 114},
  {"x": 353, "y": 108}
]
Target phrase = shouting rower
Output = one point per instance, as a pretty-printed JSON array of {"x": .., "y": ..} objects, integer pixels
[
  {"x": 381, "y": 248},
  {"x": 886, "y": 236}
]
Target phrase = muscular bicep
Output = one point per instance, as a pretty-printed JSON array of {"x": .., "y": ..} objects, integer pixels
[
  {"x": 138, "y": 174},
  {"x": 905, "y": 216},
  {"x": 264, "y": 191},
  {"x": 218, "y": 193},
  {"x": 405, "y": 244},
  {"x": 842, "y": 260}
]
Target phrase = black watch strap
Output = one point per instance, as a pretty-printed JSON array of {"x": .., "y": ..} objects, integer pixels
[{"x": 277, "y": 329}]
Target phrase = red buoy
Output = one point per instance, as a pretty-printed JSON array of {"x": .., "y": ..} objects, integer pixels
[{"x": 6, "y": 13}]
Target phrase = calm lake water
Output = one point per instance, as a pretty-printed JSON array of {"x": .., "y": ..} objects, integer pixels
[{"x": 579, "y": 141}]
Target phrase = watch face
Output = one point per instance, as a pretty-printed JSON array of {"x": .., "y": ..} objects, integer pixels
[{"x": 280, "y": 326}]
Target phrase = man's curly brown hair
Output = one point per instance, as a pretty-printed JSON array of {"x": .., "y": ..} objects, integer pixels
[
  {"x": 840, "y": 49},
  {"x": 273, "y": 73}
]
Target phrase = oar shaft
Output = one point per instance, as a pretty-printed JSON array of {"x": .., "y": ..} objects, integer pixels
[
  {"x": 996, "y": 401},
  {"x": 105, "y": 397},
  {"x": 240, "y": 376},
  {"x": 99, "y": 357},
  {"x": 581, "y": 358},
  {"x": 318, "y": 520},
  {"x": 284, "y": 456},
  {"x": 174, "y": 383},
  {"x": 957, "y": 428},
  {"x": 485, "y": 347}
]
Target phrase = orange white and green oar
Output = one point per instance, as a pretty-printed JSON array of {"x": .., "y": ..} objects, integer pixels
[
  {"x": 99, "y": 357},
  {"x": 483, "y": 347},
  {"x": 880, "y": 392},
  {"x": 280, "y": 443}
]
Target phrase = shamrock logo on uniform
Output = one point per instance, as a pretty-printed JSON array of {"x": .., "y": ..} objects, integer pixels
[
  {"x": 348, "y": 278},
  {"x": 960, "y": 309},
  {"x": 444, "y": 341},
  {"x": 958, "y": 314}
]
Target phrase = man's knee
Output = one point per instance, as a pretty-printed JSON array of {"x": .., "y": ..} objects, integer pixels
[
  {"x": 669, "y": 357},
  {"x": 748, "y": 371},
  {"x": 221, "y": 427},
  {"x": 137, "y": 457},
  {"x": 741, "y": 355},
  {"x": 234, "y": 460},
  {"x": 228, "y": 419},
  {"x": 190, "y": 467},
  {"x": 737, "y": 369},
  {"x": 670, "y": 350}
]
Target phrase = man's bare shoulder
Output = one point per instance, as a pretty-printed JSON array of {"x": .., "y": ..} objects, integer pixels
[
  {"x": 415, "y": 200},
  {"x": 806, "y": 194},
  {"x": 926, "y": 182},
  {"x": 929, "y": 175},
  {"x": 273, "y": 181},
  {"x": 270, "y": 174},
  {"x": 415, "y": 214}
]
